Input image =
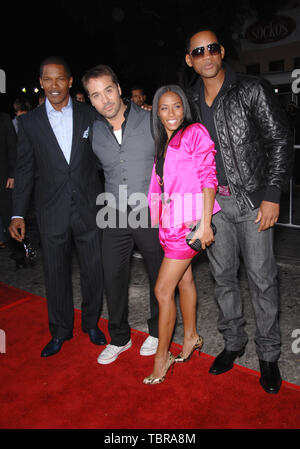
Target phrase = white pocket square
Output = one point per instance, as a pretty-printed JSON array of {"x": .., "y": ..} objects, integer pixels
[{"x": 85, "y": 135}]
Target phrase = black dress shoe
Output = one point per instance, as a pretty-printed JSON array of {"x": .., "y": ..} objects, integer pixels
[
  {"x": 224, "y": 361},
  {"x": 54, "y": 346},
  {"x": 270, "y": 378},
  {"x": 96, "y": 336}
]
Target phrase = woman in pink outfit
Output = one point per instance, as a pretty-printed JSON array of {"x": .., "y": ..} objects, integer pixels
[{"x": 182, "y": 191}]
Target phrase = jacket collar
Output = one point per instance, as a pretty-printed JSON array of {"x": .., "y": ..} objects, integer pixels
[
  {"x": 77, "y": 118},
  {"x": 50, "y": 109},
  {"x": 126, "y": 113},
  {"x": 175, "y": 141},
  {"x": 229, "y": 81}
]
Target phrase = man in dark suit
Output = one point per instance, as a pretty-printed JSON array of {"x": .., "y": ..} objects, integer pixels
[
  {"x": 55, "y": 157},
  {"x": 8, "y": 144}
]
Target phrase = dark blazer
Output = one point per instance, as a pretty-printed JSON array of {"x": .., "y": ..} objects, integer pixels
[
  {"x": 41, "y": 164},
  {"x": 8, "y": 151}
]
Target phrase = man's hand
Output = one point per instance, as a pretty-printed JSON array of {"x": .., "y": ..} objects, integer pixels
[
  {"x": 17, "y": 229},
  {"x": 10, "y": 183},
  {"x": 267, "y": 215},
  {"x": 146, "y": 107}
]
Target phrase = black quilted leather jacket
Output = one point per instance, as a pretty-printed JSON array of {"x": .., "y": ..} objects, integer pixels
[{"x": 254, "y": 139}]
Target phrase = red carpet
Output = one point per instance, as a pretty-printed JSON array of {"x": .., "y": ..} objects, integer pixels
[
  {"x": 72, "y": 391},
  {"x": 10, "y": 295}
]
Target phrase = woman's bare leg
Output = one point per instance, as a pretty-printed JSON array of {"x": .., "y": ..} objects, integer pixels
[
  {"x": 188, "y": 306},
  {"x": 171, "y": 271}
]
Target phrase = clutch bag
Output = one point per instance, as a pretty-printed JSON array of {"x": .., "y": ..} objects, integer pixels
[{"x": 197, "y": 245}]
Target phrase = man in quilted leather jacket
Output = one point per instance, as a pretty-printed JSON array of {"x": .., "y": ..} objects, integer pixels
[{"x": 253, "y": 159}]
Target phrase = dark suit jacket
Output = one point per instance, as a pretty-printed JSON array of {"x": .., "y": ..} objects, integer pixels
[
  {"x": 41, "y": 163},
  {"x": 8, "y": 151}
]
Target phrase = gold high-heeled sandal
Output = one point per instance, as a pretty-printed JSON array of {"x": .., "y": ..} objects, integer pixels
[
  {"x": 151, "y": 380},
  {"x": 197, "y": 347}
]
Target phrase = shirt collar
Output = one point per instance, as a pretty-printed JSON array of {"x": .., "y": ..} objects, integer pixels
[
  {"x": 50, "y": 108},
  {"x": 126, "y": 113},
  {"x": 229, "y": 80}
]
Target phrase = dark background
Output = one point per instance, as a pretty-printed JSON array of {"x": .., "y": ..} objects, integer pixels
[{"x": 142, "y": 40}]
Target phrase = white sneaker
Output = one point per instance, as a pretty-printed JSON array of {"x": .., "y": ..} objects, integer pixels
[
  {"x": 111, "y": 353},
  {"x": 149, "y": 346}
]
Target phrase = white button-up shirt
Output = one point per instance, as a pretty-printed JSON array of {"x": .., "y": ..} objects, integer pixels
[{"x": 62, "y": 125}]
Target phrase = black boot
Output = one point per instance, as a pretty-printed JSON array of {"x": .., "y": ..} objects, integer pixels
[
  {"x": 270, "y": 378},
  {"x": 224, "y": 361}
]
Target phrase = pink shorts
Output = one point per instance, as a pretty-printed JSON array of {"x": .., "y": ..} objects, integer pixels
[{"x": 173, "y": 243}]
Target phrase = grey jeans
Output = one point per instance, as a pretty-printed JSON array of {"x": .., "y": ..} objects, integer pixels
[{"x": 238, "y": 235}]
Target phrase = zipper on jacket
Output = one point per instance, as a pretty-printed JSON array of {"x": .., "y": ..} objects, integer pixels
[
  {"x": 247, "y": 200},
  {"x": 196, "y": 101},
  {"x": 243, "y": 193},
  {"x": 217, "y": 132},
  {"x": 220, "y": 102}
]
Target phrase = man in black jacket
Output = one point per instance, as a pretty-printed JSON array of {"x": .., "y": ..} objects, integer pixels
[{"x": 253, "y": 159}]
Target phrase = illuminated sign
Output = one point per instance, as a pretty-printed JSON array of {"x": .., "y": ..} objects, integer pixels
[{"x": 270, "y": 30}]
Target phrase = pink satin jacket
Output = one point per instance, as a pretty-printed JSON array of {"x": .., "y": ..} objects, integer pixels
[{"x": 189, "y": 167}]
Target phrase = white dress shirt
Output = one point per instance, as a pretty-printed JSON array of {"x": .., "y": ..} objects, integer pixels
[{"x": 62, "y": 125}]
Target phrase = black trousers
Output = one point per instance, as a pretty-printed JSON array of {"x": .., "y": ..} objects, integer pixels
[
  {"x": 57, "y": 256},
  {"x": 117, "y": 247}
]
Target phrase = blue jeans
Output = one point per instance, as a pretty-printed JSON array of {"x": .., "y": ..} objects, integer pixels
[{"x": 238, "y": 235}]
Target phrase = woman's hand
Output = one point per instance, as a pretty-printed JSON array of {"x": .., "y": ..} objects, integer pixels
[{"x": 205, "y": 234}]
